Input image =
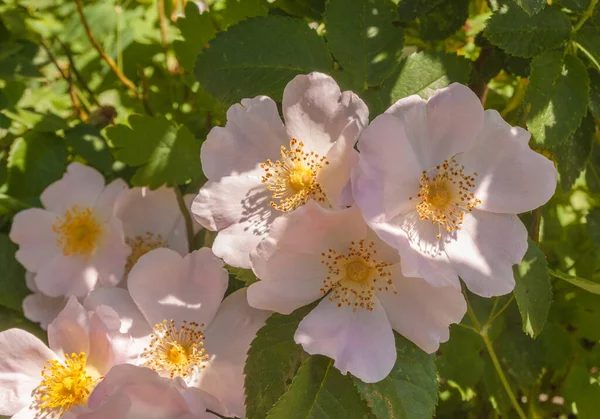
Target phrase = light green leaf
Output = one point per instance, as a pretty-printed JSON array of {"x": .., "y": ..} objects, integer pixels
[
  {"x": 197, "y": 29},
  {"x": 12, "y": 280},
  {"x": 410, "y": 391},
  {"x": 573, "y": 154},
  {"x": 513, "y": 30},
  {"x": 586, "y": 284},
  {"x": 558, "y": 94},
  {"x": 166, "y": 154},
  {"x": 273, "y": 359},
  {"x": 259, "y": 57},
  {"x": 422, "y": 73},
  {"x": 320, "y": 391},
  {"x": 533, "y": 291},
  {"x": 363, "y": 39},
  {"x": 35, "y": 161},
  {"x": 531, "y": 6}
]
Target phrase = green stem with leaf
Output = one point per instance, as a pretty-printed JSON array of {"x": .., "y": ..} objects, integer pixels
[
  {"x": 482, "y": 330},
  {"x": 586, "y": 15}
]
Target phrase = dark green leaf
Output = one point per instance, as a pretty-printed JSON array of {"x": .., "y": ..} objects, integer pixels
[
  {"x": 593, "y": 225},
  {"x": 249, "y": 59},
  {"x": 575, "y": 5},
  {"x": 588, "y": 37},
  {"x": 273, "y": 359},
  {"x": 422, "y": 73},
  {"x": 573, "y": 154},
  {"x": 363, "y": 39},
  {"x": 320, "y": 391},
  {"x": 12, "y": 280},
  {"x": 411, "y": 9},
  {"x": 197, "y": 29},
  {"x": 10, "y": 319},
  {"x": 444, "y": 19},
  {"x": 309, "y": 8},
  {"x": 166, "y": 154},
  {"x": 595, "y": 93},
  {"x": 532, "y": 290},
  {"x": 531, "y": 6},
  {"x": 558, "y": 93},
  {"x": 230, "y": 12},
  {"x": 87, "y": 141},
  {"x": 459, "y": 360},
  {"x": 520, "y": 357},
  {"x": 513, "y": 30},
  {"x": 582, "y": 387},
  {"x": 35, "y": 161},
  {"x": 586, "y": 284},
  {"x": 410, "y": 391}
]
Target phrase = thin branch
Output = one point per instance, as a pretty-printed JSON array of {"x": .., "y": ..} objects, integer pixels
[
  {"x": 187, "y": 217},
  {"x": 111, "y": 63},
  {"x": 499, "y": 312},
  {"x": 78, "y": 75},
  {"x": 588, "y": 13},
  {"x": 162, "y": 22}
]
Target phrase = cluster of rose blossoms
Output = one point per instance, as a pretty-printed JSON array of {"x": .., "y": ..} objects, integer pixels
[{"x": 137, "y": 326}]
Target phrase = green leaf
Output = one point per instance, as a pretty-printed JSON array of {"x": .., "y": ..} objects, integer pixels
[
  {"x": 12, "y": 280},
  {"x": 303, "y": 8},
  {"x": 10, "y": 319},
  {"x": 197, "y": 29},
  {"x": 423, "y": 73},
  {"x": 459, "y": 359},
  {"x": 533, "y": 291},
  {"x": 87, "y": 141},
  {"x": 558, "y": 93},
  {"x": 531, "y": 6},
  {"x": 10, "y": 205},
  {"x": 411, "y": 9},
  {"x": 595, "y": 93},
  {"x": 575, "y": 5},
  {"x": 249, "y": 59},
  {"x": 166, "y": 154},
  {"x": 593, "y": 225},
  {"x": 588, "y": 38},
  {"x": 513, "y": 30},
  {"x": 35, "y": 161},
  {"x": 244, "y": 275},
  {"x": 444, "y": 19},
  {"x": 520, "y": 356},
  {"x": 573, "y": 154},
  {"x": 320, "y": 391},
  {"x": 230, "y": 12},
  {"x": 410, "y": 391},
  {"x": 582, "y": 387},
  {"x": 585, "y": 284},
  {"x": 273, "y": 359},
  {"x": 363, "y": 39}
]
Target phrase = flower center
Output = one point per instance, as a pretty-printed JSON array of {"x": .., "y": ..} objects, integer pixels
[
  {"x": 140, "y": 245},
  {"x": 444, "y": 198},
  {"x": 78, "y": 231},
  {"x": 175, "y": 352},
  {"x": 293, "y": 179},
  {"x": 63, "y": 385},
  {"x": 355, "y": 276}
]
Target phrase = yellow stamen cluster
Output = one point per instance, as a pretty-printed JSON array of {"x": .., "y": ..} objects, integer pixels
[
  {"x": 355, "y": 275},
  {"x": 444, "y": 198},
  {"x": 140, "y": 245},
  {"x": 293, "y": 179},
  {"x": 79, "y": 232},
  {"x": 176, "y": 352},
  {"x": 63, "y": 385}
]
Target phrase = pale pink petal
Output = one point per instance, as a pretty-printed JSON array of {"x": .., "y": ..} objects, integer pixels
[
  {"x": 70, "y": 331},
  {"x": 388, "y": 171},
  {"x": 360, "y": 342},
  {"x": 239, "y": 207},
  {"x": 512, "y": 178},
  {"x": 420, "y": 312},
  {"x": 316, "y": 111},
  {"x": 420, "y": 250},
  {"x": 444, "y": 126},
  {"x": 111, "y": 256},
  {"x": 40, "y": 308},
  {"x": 105, "y": 204},
  {"x": 166, "y": 286},
  {"x": 32, "y": 231},
  {"x": 145, "y": 211},
  {"x": 30, "y": 281},
  {"x": 253, "y": 133},
  {"x": 346, "y": 197},
  {"x": 66, "y": 276},
  {"x": 227, "y": 341},
  {"x": 28, "y": 412},
  {"x": 81, "y": 185},
  {"x": 485, "y": 250},
  {"x": 22, "y": 359},
  {"x": 341, "y": 157}
]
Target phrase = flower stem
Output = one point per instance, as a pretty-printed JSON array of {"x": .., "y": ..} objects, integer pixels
[
  {"x": 488, "y": 344},
  {"x": 588, "y": 13},
  {"x": 187, "y": 217}
]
